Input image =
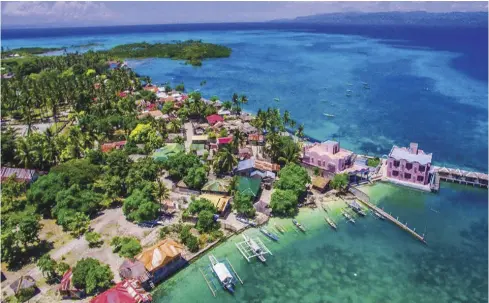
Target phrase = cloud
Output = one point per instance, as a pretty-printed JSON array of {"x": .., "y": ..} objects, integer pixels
[{"x": 61, "y": 11}]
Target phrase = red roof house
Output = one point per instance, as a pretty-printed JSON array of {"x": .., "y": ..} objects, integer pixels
[
  {"x": 213, "y": 119},
  {"x": 224, "y": 140},
  {"x": 66, "y": 287},
  {"x": 107, "y": 147},
  {"x": 128, "y": 291}
]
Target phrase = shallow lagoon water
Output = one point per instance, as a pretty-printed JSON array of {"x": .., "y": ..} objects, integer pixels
[{"x": 371, "y": 261}]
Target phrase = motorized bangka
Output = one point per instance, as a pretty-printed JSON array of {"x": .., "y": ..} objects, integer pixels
[
  {"x": 299, "y": 226},
  {"x": 330, "y": 222},
  {"x": 356, "y": 208},
  {"x": 347, "y": 216},
  {"x": 224, "y": 272},
  {"x": 270, "y": 235}
]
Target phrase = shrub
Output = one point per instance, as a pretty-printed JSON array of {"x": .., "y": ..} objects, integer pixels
[
  {"x": 91, "y": 275},
  {"x": 126, "y": 246},
  {"x": 93, "y": 239}
]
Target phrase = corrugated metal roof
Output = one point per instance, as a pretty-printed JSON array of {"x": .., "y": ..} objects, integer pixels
[{"x": 21, "y": 174}]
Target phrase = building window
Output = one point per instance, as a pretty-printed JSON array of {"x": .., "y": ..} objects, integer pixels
[
  {"x": 390, "y": 165},
  {"x": 409, "y": 166},
  {"x": 422, "y": 168},
  {"x": 396, "y": 163},
  {"x": 407, "y": 176},
  {"x": 395, "y": 173},
  {"x": 420, "y": 178}
]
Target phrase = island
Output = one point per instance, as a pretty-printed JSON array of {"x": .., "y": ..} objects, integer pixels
[
  {"x": 192, "y": 51},
  {"x": 25, "y": 51}
]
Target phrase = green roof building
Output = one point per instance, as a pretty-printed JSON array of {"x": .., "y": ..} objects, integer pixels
[
  {"x": 167, "y": 151},
  {"x": 249, "y": 186}
]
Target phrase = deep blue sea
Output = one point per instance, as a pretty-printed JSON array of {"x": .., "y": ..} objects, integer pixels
[{"x": 426, "y": 84}]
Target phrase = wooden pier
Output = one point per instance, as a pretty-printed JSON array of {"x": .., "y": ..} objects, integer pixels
[
  {"x": 460, "y": 176},
  {"x": 361, "y": 197}
]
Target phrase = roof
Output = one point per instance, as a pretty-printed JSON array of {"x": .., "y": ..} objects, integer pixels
[
  {"x": 167, "y": 151},
  {"x": 111, "y": 145},
  {"x": 402, "y": 153},
  {"x": 21, "y": 174},
  {"x": 65, "y": 284},
  {"x": 128, "y": 291},
  {"x": 22, "y": 283},
  {"x": 246, "y": 164},
  {"x": 197, "y": 146},
  {"x": 133, "y": 269},
  {"x": 266, "y": 166},
  {"x": 157, "y": 256},
  {"x": 200, "y": 138},
  {"x": 320, "y": 182},
  {"x": 262, "y": 207},
  {"x": 322, "y": 149},
  {"x": 217, "y": 186},
  {"x": 224, "y": 140},
  {"x": 156, "y": 114},
  {"x": 249, "y": 186},
  {"x": 255, "y": 137},
  {"x": 219, "y": 201},
  {"x": 262, "y": 175},
  {"x": 212, "y": 119}
]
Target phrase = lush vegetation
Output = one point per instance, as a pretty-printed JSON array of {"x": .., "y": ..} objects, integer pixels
[
  {"x": 243, "y": 204},
  {"x": 284, "y": 202},
  {"x": 187, "y": 167},
  {"x": 293, "y": 177},
  {"x": 22, "y": 51},
  {"x": 188, "y": 239},
  {"x": 340, "y": 182},
  {"x": 93, "y": 239},
  {"x": 92, "y": 276},
  {"x": 50, "y": 269},
  {"x": 373, "y": 162},
  {"x": 192, "y": 51},
  {"x": 126, "y": 246}
]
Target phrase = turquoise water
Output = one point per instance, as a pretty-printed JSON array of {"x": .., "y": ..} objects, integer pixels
[
  {"x": 419, "y": 90},
  {"x": 372, "y": 261}
]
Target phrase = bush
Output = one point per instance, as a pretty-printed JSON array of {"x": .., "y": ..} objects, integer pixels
[
  {"x": 163, "y": 232},
  {"x": 25, "y": 294},
  {"x": 126, "y": 246},
  {"x": 188, "y": 239},
  {"x": 205, "y": 221},
  {"x": 93, "y": 239},
  {"x": 92, "y": 276}
]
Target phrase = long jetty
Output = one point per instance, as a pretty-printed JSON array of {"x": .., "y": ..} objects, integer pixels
[{"x": 362, "y": 197}]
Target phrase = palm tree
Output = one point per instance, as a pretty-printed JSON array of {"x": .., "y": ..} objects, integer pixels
[
  {"x": 174, "y": 126},
  {"x": 24, "y": 153},
  {"x": 239, "y": 138},
  {"x": 300, "y": 131},
  {"x": 162, "y": 191},
  {"x": 286, "y": 117},
  {"x": 225, "y": 161},
  {"x": 289, "y": 153}
]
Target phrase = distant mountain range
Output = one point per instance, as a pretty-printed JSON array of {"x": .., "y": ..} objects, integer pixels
[{"x": 396, "y": 18}]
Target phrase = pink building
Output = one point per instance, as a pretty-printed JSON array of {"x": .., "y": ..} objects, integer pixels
[
  {"x": 409, "y": 164},
  {"x": 328, "y": 156}
]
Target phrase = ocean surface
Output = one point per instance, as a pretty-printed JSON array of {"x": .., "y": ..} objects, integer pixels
[{"x": 427, "y": 85}]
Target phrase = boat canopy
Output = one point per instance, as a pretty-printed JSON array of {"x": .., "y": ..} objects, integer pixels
[{"x": 222, "y": 272}]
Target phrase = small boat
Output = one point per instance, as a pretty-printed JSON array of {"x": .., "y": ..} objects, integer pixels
[
  {"x": 347, "y": 216},
  {"x": 328, "y": 115},
  {"x": 279, "y": 228},
  {"x": 356, "y": 208},
  {"x": 255, "y": 248},
  {"x": 272, "y": 236},
  {"x": 330, "y": 222},
  {"x": 276, "y": 99},
  {"x": 299, "y": 226},
  {"x": 223, "y": 273},
  {"x": 325, "y": 208},
  {"x": 434, "y": 210},
  {"x": 246, "y": 221},
  {"x": 379, "y": 215}
]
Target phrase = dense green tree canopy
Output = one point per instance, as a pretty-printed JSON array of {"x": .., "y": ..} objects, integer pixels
[
  {"x": 198, "y": 205},
  {"x": 293, "y": 177},
  {"x": 126, "y": 246},
  {"x": 196, "y": 177},
  {"x": 92, "y": 276},
  {"x": 284, "y": 202},
  {"x": 340, "y": 182},
  {"x": 243, "y": 204},
  {"x": 205, "y": 221},
  {"x": 140, "y": 206}
]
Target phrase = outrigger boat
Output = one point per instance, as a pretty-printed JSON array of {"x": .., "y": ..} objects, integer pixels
[
  {"x": 299, "y": 226},
  {"x": 330, "y": 222},
  {"x": 223, "y": 273},
  {"x": 255, "y": 248},
  {"x": 246, "y": 221},
  {"x": 272, "y": 236},
  {"x": 279, "y": 228},
  {"x": 379, "y": 215},
  {"x": 347, "y": 216},
  {"x": 328, "y": 115},
  {"x": 276, "y": 99},
  {"x": 356, "y": 208}
]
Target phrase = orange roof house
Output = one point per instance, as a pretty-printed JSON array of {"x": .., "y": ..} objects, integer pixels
[{"x": 160, "y": 254}]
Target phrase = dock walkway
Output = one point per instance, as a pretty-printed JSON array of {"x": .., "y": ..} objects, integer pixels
[{"x": 362, "y": 197}]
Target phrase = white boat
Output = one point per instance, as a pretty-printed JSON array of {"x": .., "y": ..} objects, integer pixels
[
  {"x": 223, "y": 274},
  {"x": 255, "y": 248},
  {"x": 328, "y": 115}
]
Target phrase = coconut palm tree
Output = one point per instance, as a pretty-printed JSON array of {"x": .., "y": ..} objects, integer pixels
[
  {"x": 24, "y": 153},
  {"x": 289, "y": 153},
  {"x": 224, "y": 161},
  {"x": 300, "y": 131},
  {"x": 286, "y": 117},
  {"x": 174, "y": 126}
]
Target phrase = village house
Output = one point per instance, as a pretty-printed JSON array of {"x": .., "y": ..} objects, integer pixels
[
  {"x": 217, "y": 186},
  {"x": 21, "y": 174},
  {"x": 127, "y": 291},
  {"x": 162, "y": 259},
  {"x": 213, "y": 119},
  {"x": 107, "y": 147},
  {"x": 247, "y": 167},
  {"x": 66, "y": 288},
  {"x": 328, "y": 157},
  {"x": 250, "y": 187},
  {"x": 221, "y": 202},
  {"x": 134, "y": 269},
  {"x": 409, "y": 164}
]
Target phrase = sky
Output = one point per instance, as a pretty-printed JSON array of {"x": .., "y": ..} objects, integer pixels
[{"x": 59, "y": 13}]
